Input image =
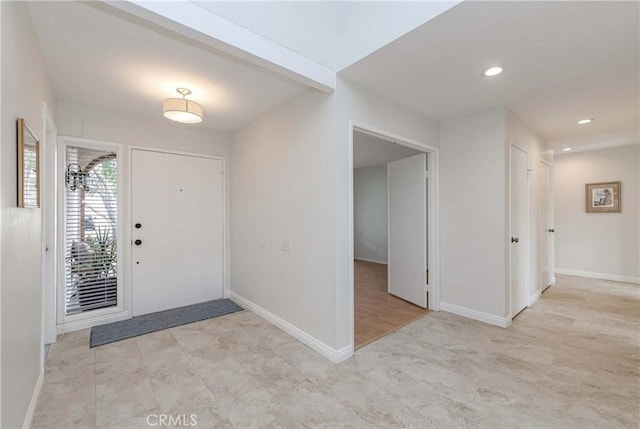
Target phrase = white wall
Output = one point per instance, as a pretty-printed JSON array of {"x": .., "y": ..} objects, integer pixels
[
  {"x": 600, "y": 243},
  {"x": 364, "y": 106},
  {"x": 290, "y": 181},
  {"x": 473, "y": 198},
  {"x": 370, "y": 214},
  {"x": 154, "y": 132},
  {"x": 283, "y": 189},
  {"x": 25, "y": 86},
  {"x": 475, "y": 210},
  {"x": 519, "y": 134},
  {"x": 77, "y": 120}
]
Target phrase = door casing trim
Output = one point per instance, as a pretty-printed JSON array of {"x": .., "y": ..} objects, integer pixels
[{"x": 67, "y": 323}]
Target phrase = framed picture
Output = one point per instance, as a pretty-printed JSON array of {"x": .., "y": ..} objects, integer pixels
[
  {"x": 28, "y": 166},
  {"x": 603, "y": 197}
]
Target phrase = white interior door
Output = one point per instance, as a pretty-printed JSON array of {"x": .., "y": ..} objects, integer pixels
[
  {"x": 519, "y": 229},
  {"x": 177, "y": 230},
  {"x": 407, "y": 268},
  {"x": 546, "y": 227}
]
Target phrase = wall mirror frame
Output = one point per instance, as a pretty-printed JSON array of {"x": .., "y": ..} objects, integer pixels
[{"x": 28, "y": 166}]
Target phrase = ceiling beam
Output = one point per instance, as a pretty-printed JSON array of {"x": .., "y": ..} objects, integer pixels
[{"x": 195, "y": 22}]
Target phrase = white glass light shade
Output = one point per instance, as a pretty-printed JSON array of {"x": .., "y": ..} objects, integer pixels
[{"x": 182, "y": 110}]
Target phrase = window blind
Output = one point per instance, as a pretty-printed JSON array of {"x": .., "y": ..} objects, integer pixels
[
  {"x": 30, "y": 185},
  {"x": 90, "y": 230}
]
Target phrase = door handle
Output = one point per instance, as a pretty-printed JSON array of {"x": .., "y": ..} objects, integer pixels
[
  {"x": 515, "y": 239},
  {"x": 552, "y": 230},
  {"x": 138, "y": 242}
]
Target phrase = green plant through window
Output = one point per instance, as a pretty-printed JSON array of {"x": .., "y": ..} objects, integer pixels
[{"x": 91, "y": 233}]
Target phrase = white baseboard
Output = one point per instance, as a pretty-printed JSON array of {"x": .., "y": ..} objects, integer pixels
[
  {"x": 534, "y": 297},
  {"x": 28, "y": 418},
  {"x": 601, "y": 276},
  {"x": 334, "y": 355},
  {"x": 94, "y": 321},
  {"x": 503, "y": 322},
  {"x": 370, "y": 260}
]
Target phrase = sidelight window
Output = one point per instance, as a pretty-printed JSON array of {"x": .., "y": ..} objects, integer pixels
[{"x": 90, "y": 229}]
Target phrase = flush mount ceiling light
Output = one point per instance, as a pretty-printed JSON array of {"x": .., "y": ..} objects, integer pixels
[
  {"x": 585, "y": 121},
  {"x": 181, "y": 109},
  {"x": 567, "y": 149},
  {"x": 492, "y": 71}
]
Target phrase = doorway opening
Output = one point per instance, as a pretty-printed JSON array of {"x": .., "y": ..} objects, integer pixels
[{"x": 394, "y": 234}]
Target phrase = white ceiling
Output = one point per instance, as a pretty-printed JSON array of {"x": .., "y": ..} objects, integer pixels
[
  {"x": 563, "y": 61},
  {"x": 370, "y": 151},
  {"x": 98, "y": 56},
  {"x": 306, "y": 27},
  {"x": 332, "y": 33}
]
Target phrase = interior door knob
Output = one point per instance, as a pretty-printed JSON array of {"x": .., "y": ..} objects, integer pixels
[
  {"x": 515, "y": 239},
  {"x": 138, "y": 242},
  {"x": 552, "y": 230}
]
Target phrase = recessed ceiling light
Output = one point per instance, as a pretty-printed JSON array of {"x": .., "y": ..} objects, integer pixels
[
  {"x": 492, "y": 71},
  {"x": 567, "y": 149},
  {"x": 585, "y": 121}
]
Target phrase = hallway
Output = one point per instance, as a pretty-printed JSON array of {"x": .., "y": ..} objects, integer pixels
[{"x": 570, "y": 361}]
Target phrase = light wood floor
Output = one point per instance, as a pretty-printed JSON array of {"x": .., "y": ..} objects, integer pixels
[{"x": 377, "y": 312}]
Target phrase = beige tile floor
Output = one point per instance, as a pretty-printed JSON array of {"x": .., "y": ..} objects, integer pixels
[{"x": 570, "y": 361}]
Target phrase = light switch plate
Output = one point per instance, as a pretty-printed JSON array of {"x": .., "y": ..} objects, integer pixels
[{"x": 286, "y": 246}]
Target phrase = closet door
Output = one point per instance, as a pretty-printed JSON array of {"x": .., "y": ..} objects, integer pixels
[
  {"x": 519, "y": 230},
  {"x": 546, "y": 227}
]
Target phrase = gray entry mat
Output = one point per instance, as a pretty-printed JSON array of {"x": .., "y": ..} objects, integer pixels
[{"x": 145, "y": 324}]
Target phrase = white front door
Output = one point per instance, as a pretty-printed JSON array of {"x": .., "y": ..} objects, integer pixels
[
  {"x": 519, "y": 230},
  {"x": 407, "y": 268},
  {"x": 546, "y": 227},
  {"x": 177, "y": 230}
]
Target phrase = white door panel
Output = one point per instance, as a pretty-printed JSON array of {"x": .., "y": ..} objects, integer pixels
[
  {"x": 546, "y": 227},
  {"x": 178, "y": 202},
  {"x": 519, "y": 230},
  {"x": 408, "y": 229}
]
